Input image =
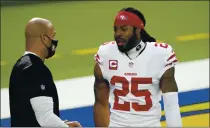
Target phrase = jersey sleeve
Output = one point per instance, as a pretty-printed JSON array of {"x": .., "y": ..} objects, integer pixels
[
  {"x": 100, "y": 58},
  {"x": 36, "y": 83},
  {"x": 169, "y": 60},
  {"x": 102, "y": 53}
]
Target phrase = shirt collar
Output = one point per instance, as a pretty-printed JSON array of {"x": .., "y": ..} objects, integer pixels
[{"x": 28, "y": 52}]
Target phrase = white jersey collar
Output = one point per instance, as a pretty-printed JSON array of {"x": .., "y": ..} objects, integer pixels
[{"x": 133, "y": 53}]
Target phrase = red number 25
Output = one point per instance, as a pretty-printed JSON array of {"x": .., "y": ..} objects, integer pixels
[{"x": 134, "y": 90}]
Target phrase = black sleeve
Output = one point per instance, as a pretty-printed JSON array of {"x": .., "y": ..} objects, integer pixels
[{"x": 36, "y": 82}]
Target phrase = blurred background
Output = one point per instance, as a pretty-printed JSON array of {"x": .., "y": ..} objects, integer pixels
[{"x": 84, "y": 25}]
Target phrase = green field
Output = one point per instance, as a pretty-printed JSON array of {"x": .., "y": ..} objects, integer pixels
[{"x": 86, "y": 25}]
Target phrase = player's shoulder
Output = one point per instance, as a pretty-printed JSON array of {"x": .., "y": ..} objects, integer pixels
[
  {"x": 107, "y": 45},
  {"x": 105, "y": 50},
  {"x": 160, "y": 47}
]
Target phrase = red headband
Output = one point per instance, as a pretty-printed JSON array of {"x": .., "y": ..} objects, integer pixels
[{"x": 127, "y": 18}]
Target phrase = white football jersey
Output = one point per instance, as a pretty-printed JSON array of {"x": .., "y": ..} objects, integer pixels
[{"x": 134, "y": 84}]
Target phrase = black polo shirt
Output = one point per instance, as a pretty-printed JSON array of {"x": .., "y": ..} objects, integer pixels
[{"x": 29, "y": 78}]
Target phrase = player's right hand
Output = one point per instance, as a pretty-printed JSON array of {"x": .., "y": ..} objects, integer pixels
[{"x": 73, "y": 124}]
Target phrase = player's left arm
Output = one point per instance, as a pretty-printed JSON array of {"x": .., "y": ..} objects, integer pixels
[{"x": 169, "y": 89}]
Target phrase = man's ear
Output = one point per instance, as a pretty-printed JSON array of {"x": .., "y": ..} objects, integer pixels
[{"x": 43, "y": 38}]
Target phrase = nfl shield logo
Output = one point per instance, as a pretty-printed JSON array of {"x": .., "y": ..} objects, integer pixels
[
  {"x": 43, "y": 87},
  {"x": 131, "y": 64}
]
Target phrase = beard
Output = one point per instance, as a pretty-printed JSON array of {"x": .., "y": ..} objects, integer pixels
[{"x": 125, "y": 46}]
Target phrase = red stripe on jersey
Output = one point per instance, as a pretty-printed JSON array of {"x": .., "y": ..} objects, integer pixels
[
  {"x": 97, "y": 58},
  {"x": 171, "y": 63},
  {"x": 172, "y": 56}
]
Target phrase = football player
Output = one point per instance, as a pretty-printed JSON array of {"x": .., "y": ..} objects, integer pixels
[{"x": 131, "y": 73}]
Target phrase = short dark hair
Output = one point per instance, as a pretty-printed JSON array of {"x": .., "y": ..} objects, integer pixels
[{"x": 144, "y": 35}]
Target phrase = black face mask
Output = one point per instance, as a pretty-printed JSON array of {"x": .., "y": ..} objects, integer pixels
[{"x": 52, "y": 48}]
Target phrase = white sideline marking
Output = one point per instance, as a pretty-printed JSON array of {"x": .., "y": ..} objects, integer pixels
[{"x": 78, "y": 92}]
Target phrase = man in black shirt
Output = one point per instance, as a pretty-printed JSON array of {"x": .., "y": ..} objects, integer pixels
[{"x": 33, "y": 94}]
